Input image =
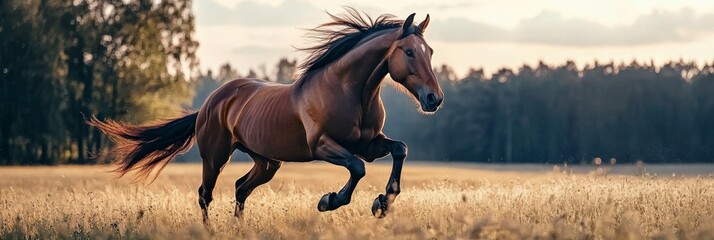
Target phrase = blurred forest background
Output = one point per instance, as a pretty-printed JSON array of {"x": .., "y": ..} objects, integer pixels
[{"x": 135, "y": 61}]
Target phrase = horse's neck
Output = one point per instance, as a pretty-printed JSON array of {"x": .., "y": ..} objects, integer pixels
[
  {"x": 371, "y": 88},
  {"x": 364, "y": 68}
]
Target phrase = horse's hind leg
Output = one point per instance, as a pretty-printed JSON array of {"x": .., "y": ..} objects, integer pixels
[
  {"x": 261, "y": 173},
  {"x": 215, "y": 152}
]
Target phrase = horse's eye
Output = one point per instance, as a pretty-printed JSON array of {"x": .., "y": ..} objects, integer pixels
[{"x": 409, "y": 53}]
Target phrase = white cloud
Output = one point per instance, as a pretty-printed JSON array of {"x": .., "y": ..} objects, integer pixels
[
  {"x": 551, "y": 28},
  {"x": 492, "y": 34},
  {"x": 257, "y": 14},
  {"x": 260, "y": 50}
]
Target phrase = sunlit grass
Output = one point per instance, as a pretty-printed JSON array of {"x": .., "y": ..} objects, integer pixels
[{"x": 436, "y": 202}]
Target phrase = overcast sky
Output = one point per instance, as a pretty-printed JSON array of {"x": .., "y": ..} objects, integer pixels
[{"x": 464, "y": 34}]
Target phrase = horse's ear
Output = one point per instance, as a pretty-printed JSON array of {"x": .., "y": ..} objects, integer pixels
[
  {"x": 423, "y": 24},
  {"x": 407, "y": 24}
]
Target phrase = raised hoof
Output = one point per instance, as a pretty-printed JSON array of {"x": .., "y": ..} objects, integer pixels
[
  {"x": 328, "y": 202},
  {"x": 380, "y": 206}
]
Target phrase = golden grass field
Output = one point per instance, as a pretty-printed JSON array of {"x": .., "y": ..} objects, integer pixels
[{"x": 437, "y": 202}]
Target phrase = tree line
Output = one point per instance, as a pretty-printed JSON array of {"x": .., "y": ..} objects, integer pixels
[
  {"x": 537, "y": 114},
  {"x": 62, "y": 61},
  {"x": 555, "y": 114}
]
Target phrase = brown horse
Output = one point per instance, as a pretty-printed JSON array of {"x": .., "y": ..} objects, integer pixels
[{"x": 333, "y": 112}]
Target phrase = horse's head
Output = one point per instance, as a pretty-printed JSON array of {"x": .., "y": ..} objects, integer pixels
[{"x": 409, "y": 63}]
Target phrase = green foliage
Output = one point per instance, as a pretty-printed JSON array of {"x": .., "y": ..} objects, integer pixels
[{"x": 62, "y": 60}]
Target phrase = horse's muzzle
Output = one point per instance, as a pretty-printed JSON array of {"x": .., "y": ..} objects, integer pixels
[{"x": 430, "y": 102}]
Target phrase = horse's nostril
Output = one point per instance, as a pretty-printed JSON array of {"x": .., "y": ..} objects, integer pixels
[{"x": 430, "y": 98}]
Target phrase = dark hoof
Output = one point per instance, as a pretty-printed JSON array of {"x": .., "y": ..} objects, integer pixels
[
  {"x": 205, "y": 216},
  {"x": 204, "y": 210},
  {"x": 239, "y": 210},
  {"x": 380, "y": 206},
  {"x": 328, "y": 202}
]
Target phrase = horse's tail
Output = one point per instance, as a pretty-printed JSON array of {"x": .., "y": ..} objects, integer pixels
[{"x": 143, "y": 148}]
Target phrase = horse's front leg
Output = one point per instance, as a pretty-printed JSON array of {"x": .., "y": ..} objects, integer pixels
[
  {"x": 380, "y": 147},
  {"x": 332, "y": 152}
]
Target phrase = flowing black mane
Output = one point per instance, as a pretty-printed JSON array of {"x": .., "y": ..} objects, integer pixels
[{"x": 338, "y": 37}]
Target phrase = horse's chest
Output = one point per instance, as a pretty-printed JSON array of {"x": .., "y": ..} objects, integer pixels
[
  {"x": 359, "y": 130},
  {"x": 348, "y": 122},
  {"x": 363, "y": 135}
]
